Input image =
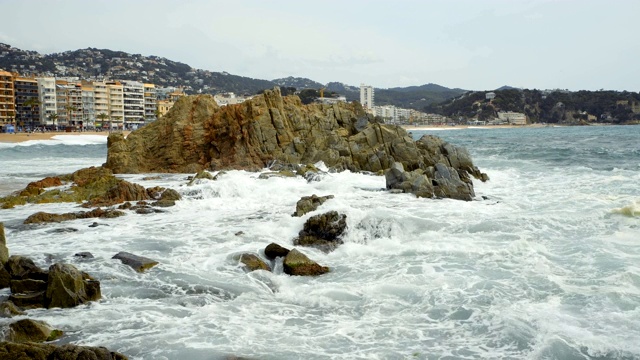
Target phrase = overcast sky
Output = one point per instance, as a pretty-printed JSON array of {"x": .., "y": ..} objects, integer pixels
[{"x": 470, "y": 44}]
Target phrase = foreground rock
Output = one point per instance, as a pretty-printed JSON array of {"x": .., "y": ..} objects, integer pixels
[
  {"x": 273, "y": 251},
  {"x": 68, "y": 287},
  {"x": 199, "y": 135},
  {"x": 297, "y": 263},
  {"x": 322, "y": 231},
  {"x": 252, "y": 262},
  {"x": 4, "y": 251},
  {"x": 310, "y": 203},
  {"x": 138, "y": 263},
  {"x": 28, "y": 330},
  {"x": 34, "y": 351},
  {"x": 43, "y": 217}
]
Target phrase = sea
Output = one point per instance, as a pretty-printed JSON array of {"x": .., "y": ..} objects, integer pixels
[{"x": 543, "y": 264}]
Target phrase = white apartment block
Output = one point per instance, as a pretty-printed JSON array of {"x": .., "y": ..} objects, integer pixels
[
  {"x": 47, "y": 97},
  {"x": 150, "y": 103},
  {"x": 101, "y": 105},
  {"x": 392, "y": 114},
  {"x": 514, "y": 118},
  {"x": 366, "y": 96},
  {"x": 133, "y": 97},
  {"x": 116, "y": 104},
  {"x": 88, "y": 107},
  {"x": 69, "y": 104}
]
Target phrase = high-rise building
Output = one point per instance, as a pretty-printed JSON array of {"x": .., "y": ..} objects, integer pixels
[
  {"x": 7, "y": 99},
  {"x": 101, "y": 104},
  {"x": 47, "y": 97},
  {"x": 150, "y": 105},
  {"x": 133, "y": 97},
  {"x": 69, "y": 104},
  {"x": 116, "y": 104},
  {"x": 366, "y": 96},
  {"x": 88, "y": 106},
  {"x": 27, "y": 102}
]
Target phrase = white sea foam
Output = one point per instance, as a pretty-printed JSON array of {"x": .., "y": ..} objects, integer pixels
[{"x": 60, "y": 140}]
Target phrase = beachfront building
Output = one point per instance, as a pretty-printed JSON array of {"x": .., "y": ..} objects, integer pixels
[
  {"x": 101, "y": 104},
  {"x": 7, "y": 99},
  {"x": 150, "y": 103},
  {"x": 88, "y": 106},
  {"x": 513, "y": 118},
  {"x": 392, "y": 114},
  {"x": 27, "y": 102},
  {"x": 133, "y": 97},
  {"x": 69, "y": 104},
  {"x": 228, "y": 98},
  {"x": 366, "y": 97},
  {"x": 116, "y": 104},
  {"x": 47, "y": 97}
]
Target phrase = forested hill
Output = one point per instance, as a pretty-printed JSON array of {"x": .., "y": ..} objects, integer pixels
[{"x": 545, "y": 106}]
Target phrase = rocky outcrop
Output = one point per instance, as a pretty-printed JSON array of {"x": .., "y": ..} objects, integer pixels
[
  {"x": 322, "y": 231},
  {"x": 297, "y": 263},
  {"x": 37, "y": 187},
  {"x": 310, "y": 203},
  {"x": 35, "y": 351},
  {"x": 199, "y": 135},
  {"x": 138, "y": 263},
  {"x": 44, "y": 217},
  {"x": 27, "y": 330},
  {"x": 252, "y": 262},
  {"x": 69, "y": 287}
]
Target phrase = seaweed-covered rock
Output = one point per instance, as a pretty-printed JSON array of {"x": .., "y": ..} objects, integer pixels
[
  {"x": 20, "y": 267},
  {"x": 35, "y": 351},
  {"x": 28, "y": 330},
  {"x": 322, "y": 231},
  {"x": 297, "y": 263},
  {"x": 273, "y": 250},
  {"x": 27, "y": 285},
  {"x": 67, "y": 287},
  {"x": 32, "y": 300},
  {"x": 4, "y": 251},
  {"x": 44, "y": 217},
  {"x": 252, "y": 262},
  {"x": 9, "y": 309},
  {"x": 310, "y": 203},
  {"x": 138, "y": 263}
]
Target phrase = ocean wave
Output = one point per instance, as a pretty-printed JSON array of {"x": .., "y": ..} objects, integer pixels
[
  {"x": 61, "y": 140},
  {"x": 631, "y": 210}
]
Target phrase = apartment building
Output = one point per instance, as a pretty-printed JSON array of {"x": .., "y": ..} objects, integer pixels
[
  {"x": 88, "y": 106},
  {"x": 366, "y": 97},
  {"x": 47, "y": 97},
  {"x": 69, "y": 104},
  {"x": 101, "y": 103},
  {"x": 514, "y": 118},
  {"x": 150, "y": 103},
  {"x": 133, "y": 97},
  {"x": 7, "y": 99},
  {"x": 26, "y": 102},
  {"x": 116, "y": 104}
]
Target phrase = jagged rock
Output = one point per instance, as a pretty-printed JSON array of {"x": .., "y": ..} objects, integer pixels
[
  {"x": 5, "y": 278},
  {"x": 273, "y": 250},
  {"x": 197, "y": 134},
  {"x": 67, "y": 287},
  {"x": 309, "y": 203},
  {"x": 4, "y": 251},
  {"x": 9, "y": 309},
  {"x": 27, "y": 285},
  {"x": 84, "y": 255},
  {"x": 297, "y": 263},
  {"x": 20, "y": 267},
  {"x": 138, "y": 263},
  {"x": 28, "y": 330},
  {"x": 43, "y": 217},
  {"x": 35, "y": 351},
  {"x": 253, "y": 262},
  {"x": 37, "y": 187},
  {"x": 322, "y": 231}
]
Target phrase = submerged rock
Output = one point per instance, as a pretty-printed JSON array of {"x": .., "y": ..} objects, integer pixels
[
  {"x": 310, "y": 203},
  {"x": 297, "y": 263},
  {"x": 28, "y": 330},
  {"x": 322, "y": 231},
  {"x": 138, "y": 263},
  {"x": 253, "y": 262},
  {"x": 197, "y": 135}
]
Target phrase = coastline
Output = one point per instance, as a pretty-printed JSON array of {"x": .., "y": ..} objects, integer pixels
[
  {"x": 22, "y": 137},
  {"x": 449, "y": 127}
]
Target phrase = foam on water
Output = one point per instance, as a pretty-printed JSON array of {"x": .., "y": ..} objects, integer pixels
[
  {"x": 541, "y": 269},
  {"x": 60, "y": 140}
]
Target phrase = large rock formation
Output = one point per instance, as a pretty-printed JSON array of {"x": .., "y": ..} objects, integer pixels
[{"x": 197, "y": 134}]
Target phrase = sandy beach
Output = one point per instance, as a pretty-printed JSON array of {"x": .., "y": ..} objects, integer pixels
[{"x": 21, "y": 137}]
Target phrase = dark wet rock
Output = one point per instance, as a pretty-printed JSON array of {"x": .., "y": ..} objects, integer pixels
[
  {"x": 147, "y": 210},
  {"x": 126, "y": 206},
  {"x": 297, "y": 263},
  {"x": 164, "y": 203},
  {"x": 27, "y": 285},
  {"x": 32, "y": 300},
  {"x": 322, "y": 231},
  {"x": 66, "y": 287},
  {"x": 310, "y": 203},
  {"x": 203, "y": 174},
  {"x": 253, "y": 262},
  {"x": 84, "y": 255},
  {"x": 273, "y": 250},
  {"x": 43, "y": 217},
  {"x": 62, "y": 230},
  {"x": 35, "y": 351},
  {"x": 94, "y": 224},
  {"x": 278, "y": 174},
  {"x": 4, "y": 251},
  {"x": 28, "y": 330},
  {"x": 20, "y": 267},
  {"x": 138, "y": 263},
  {"x": 5, "y": 278},
  {"x": 9, "y": 309},
  {"x": 239, "y": 233}
]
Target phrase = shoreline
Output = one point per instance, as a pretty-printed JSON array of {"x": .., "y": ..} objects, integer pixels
[
  {"x": 22, "y": 137},
  {"x": 459, "y": 127}
]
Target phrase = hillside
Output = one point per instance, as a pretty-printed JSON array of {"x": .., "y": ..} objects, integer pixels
[{"x": 558, "y": 106}]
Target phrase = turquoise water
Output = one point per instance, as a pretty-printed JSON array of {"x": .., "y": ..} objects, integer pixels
[{"x": 545, "y": 264}]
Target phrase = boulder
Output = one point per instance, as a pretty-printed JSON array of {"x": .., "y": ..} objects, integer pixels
[
  {"x": 37, "y": 187},
  {"x": 27, "y": 285},
  {"x": 43, "y": 217},
  {"x": 35, "y": 351},
  {"x": 138, "y": 263},
  {"x": 20, "y": 267},
  {"x": 5, "y": 278},
  {"x": 253, "y": 262},
  {"x": 297, "y": 263},
  {"x": 310, "y": 203},
  {"x": 4, "y": 251},
  {"x": 28, "y": 330},
  {"x": 322, "y": 231},
  {"x": 273, "y": 250},
  {"x": 199, "y": 135},
  {"x": 200, "y": 175},
  {"x": 67, "y": 287},
  {"x": 84, "y": 255},
  {"x": 9, "y": 309},
  {"x": 32, "y": 300}
]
